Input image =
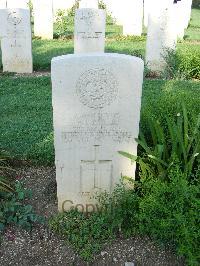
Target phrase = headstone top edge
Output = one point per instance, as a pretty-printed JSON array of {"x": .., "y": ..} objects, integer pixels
[
  {"x": 96, "y": 55},
  {"x": 15, "y": 8},
  {"x": 90, "y": 8}
]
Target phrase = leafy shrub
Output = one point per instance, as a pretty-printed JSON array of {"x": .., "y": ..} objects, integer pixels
[
  {"x": 121, "y": 208},
  {"x": 196, "y": 3},
  {"x": 5, "y": 183},
  {"x": 64, "y": 19},
  {"x": 181, "y": 139},
  {"x": 86, "y": 234},
  {"x": 182, "y": 64},
  {"x": 190, "y": 62},
  {"x": 169, "y": 212},
  {"x": 13, "y": 209}
]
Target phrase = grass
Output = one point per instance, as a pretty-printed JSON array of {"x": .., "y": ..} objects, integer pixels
[{"x": 26, "y": 112}]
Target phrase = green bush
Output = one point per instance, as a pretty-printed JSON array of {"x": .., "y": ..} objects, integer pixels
[
  {"x": 169, "y": 212},
  {"x": 5, "y": 182},
  {"x": 196, "y": 3},
  {"x": 14, "y": 211},
  {"x": 180, "y": 139},
  {"x": 182, "y": 63},
  {"x": 86, "y": 233}
]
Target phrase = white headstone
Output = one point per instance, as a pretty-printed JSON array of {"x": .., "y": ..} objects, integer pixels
[
  {"x": 133, "y": 17},
  {"x": 89, "y": 4},
  {"x": 89, "y": 32},
  {"x": 152, "y": 6},
  {"x": 2, "y": 4},
  {"x": 188, "y": 12},
  {"x": 161, "y": 35},
  {"x": 96, "y": 109},
  {"x": 17, "y": 3},
  {"x": 116, "y": 9},
  {"x": 16, "y": 43},
  {"x": 179, "y": 11},
  {"x": 147, "y": 4},
  {"x": 43, "y": 18}
]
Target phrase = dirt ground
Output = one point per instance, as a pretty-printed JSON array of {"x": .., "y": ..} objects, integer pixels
[{"x": 41, "y": 247}]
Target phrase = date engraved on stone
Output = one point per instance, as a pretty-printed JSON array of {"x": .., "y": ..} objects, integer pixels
[
  {"x": 96, "y": 126},
  {"x": 97, "y": 88}
]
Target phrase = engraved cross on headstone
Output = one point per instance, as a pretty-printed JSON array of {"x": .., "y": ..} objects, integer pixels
[{"x": 96, "y": 173}]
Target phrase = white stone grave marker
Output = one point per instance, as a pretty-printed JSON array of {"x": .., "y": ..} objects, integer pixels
[
  {"x": 133, "y": 17},
  {"x": 161, "y": 35},
  {"x": 43, "y": 18},
  {"x": 2, "y": 4},
  {"x": 16, "y": 43},
  {"x": 17, "y": 3},
  {"x": 89, "y": 33},
  {"x": 89, "y": 4},
  {"x": 96, "y": 109}
]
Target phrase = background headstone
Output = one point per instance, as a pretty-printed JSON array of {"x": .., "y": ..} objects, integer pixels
[
  {"x": 96, "y": 109},
  {"x": 17, "y": 3},
  {"x": 63, "y": 4},
  {"x": 89, "y": 31},
  {"x": 180, "y": 18},
  {"x": 43, "y": 18},
  {"x": 152, "y": 6},
  {"x": 115, "y": 8},
  {"x": 161, "y": 36},
  {"x": 133, "y": 17},
  {"x": 89, "y": 4},
  {"x": 3, "y": 4},
  {"x": 16, "y": 43}
]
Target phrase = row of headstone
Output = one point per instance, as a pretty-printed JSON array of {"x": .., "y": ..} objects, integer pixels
[
  {"x": 16, "y": 40},
  {"x": 128, "y": 13},
  {"x": 92, "y": 95}
]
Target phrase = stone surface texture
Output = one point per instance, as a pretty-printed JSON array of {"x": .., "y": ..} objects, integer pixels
[{"x": 96, "y": 109}]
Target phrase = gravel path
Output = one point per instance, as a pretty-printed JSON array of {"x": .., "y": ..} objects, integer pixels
[{"x": 42, "y": 247}]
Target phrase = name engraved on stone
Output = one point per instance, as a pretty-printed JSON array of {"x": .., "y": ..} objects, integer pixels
[
  {"x": 97, "y": 88},
  {"x": 100, "y": 171}
]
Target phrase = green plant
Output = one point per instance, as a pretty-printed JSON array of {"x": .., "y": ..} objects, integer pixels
[
  {"x": 87, "y": 234},
  {"x": 169, "y": 212},
  {"x": 5, "y": 184},
  {"x": 61, "y": 22},
  {"x": 182, "y": 64},
  {"x": 13, "y": 209},
  {"x": 121, "y": 208},
  {"x": 182, "y": 140},
  {"x": 172, "y": 63},
  {"x": 64, "y": 20}
]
